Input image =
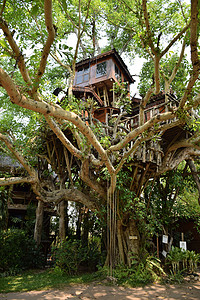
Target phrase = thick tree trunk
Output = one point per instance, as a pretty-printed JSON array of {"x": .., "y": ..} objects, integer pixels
[
  {"x": 128, "y": 241},
  {"x": 39, "y": 222},
  {"x": 61, "y": 209},
  {"x": 127, "y": 244}
]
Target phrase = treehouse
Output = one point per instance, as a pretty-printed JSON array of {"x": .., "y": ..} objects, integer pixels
[{"x": 95, "y": 77}]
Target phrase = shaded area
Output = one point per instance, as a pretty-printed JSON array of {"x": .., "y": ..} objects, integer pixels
[{"x": 97, "y": 291}]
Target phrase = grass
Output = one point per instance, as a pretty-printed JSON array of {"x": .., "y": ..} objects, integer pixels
[{"x": 43, "y": 280}]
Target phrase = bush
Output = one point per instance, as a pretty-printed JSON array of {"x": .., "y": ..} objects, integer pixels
[
  {"x": 141, "y": 272},
  {"x": 18, "y": 252},
  {"x": 134, "y": 276},
  {"x": 70, "y": 255},
  {"x": 182, "y": 261}
]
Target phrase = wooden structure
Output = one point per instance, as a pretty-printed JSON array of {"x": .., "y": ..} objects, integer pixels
[
  {"x": 95, "y": 77},
  {"x": 21, "y": 199}
]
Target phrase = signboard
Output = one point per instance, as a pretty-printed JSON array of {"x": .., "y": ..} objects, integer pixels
[
  {"x": 133, "y": 237},
  {"x": 165, "y": 239},
  {"x": 164, "y": 253},
  {"x": 183, "y": 245}
]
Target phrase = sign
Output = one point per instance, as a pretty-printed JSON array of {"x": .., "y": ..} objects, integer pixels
[
  {"x": 183, "y": 245},
  {"x": 165, "y": 239},
  {"x": 164, "y": 253},
  {"x": 133, "y": 237}
]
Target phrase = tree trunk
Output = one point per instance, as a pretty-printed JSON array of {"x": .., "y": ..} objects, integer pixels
[
  {"x": 86, "y": 227},
  {"x": 127, "y": 245},
  {"x": 67, "y": 232},
  {"x": 128, "y": 241},
  {"x": 39, "y": 222},
  {"x": 79, "y": 221},
  {"x": 61, "y": 209}
]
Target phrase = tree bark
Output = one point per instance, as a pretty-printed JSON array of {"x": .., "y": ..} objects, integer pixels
[
  {"x": 39, "y": 222},
  {"x": 128, "y": 243},
  {"x": 61, "y": 208},
  {"x": 132, "y": 240},
  {"x": 194, "y": 175}
]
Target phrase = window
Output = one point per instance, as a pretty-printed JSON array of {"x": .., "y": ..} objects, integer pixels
[
  {"x": 101, "y": 69},
  {"x": 117, "y": 72},
  {"x": 82, "y": 75}
]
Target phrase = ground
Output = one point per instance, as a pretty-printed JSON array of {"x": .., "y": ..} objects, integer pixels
[{"x": 189, "y": 291}]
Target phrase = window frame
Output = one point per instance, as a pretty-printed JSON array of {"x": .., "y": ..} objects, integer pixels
[
  {"x": 83, "y": 75},
  {"x": 100, "y": 74},
  {"x": 118, "y": 73}
]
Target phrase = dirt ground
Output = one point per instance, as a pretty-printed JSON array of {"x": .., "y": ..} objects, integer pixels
[{"x": 189, "y": 291}]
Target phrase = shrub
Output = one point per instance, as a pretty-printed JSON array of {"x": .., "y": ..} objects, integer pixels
[
  {"x": 71, "y": 254},
  {"x": 180, "y": 260},
  {"x": 18, "y": 251},
  {"x": 141, "y": 272}
]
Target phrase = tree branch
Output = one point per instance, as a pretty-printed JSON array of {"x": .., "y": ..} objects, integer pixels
[
  {"x": 55, "y": 111},
  {"x": 17, "y": 53},
  {"x": 16, "y": 180},
  {"x": 63, "y": 138},
  {"x": 136, "y": 132},
  {"x": 73, "y": 195},
  {"x": 19, "y": 157},
  {"x": 3, "y": 7},
  {"x": 90, "y": 180},
  {"x": 143, "y": 104},
  {"x": 47, "y": 46},
  {"x": 148, "y": 29},
  {"x": 175, "y": 39},
  {"x": 170, "y": 164}
]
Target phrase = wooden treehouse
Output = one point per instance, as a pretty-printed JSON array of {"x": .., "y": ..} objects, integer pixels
[{"x": 94, "y": 78}]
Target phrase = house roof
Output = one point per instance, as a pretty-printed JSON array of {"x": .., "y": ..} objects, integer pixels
[
  {"x": 112, "y": 53},
  {"x": 7, "y": 162}
]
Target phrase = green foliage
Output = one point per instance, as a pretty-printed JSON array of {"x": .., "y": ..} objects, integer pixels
[
  {"x": 18, "y": 252},
  {"x": 165, "y": 208},
  {"x": 105, "y": 141},
  {"x": 42, "y": 280},
  {"x": 126, "y": 27},
  {"x": 175, "y": 278},
  {"x": 122, "y": 96},
  {"x": 3, "y": 207},
  {"x": 142, "y": 271},
  {"x": 20, "y": 126},
  {"x": 167, "y": 64},
  {"x": 29, "y": 223},
  {"x": 70, "y": 255},
  {"x": 180, "y": 260}
]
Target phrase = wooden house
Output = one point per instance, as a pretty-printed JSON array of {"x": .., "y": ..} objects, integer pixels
[{"x": 95, "y": 77}]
